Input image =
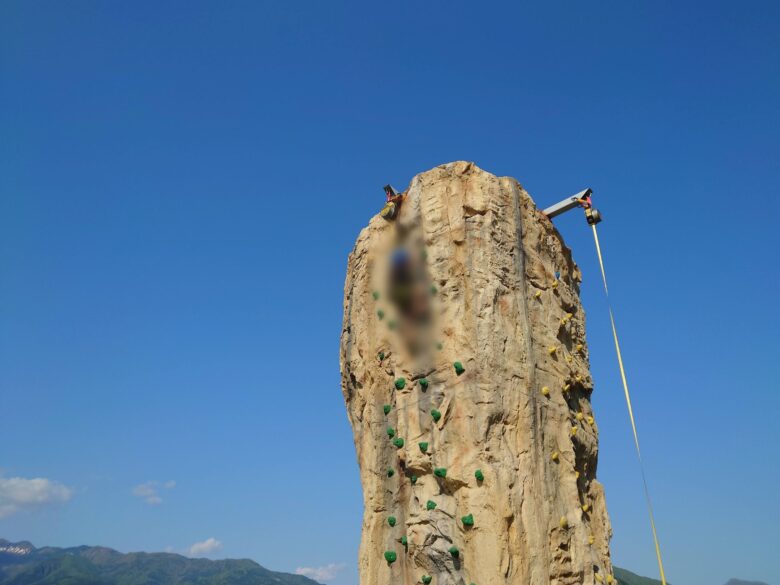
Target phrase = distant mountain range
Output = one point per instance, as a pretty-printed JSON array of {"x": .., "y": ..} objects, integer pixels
[{"x": 23, "y": 564}]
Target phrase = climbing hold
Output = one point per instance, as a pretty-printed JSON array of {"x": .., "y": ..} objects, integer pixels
[
  {"x": 555, "y": 284},
  {"x": 468, "y": 520},
  {"x": 611, "y": 579},
  {"x": 564, "y": 523},
  {"x": 569, "y": 316},
  {"x": 430, "y": 505},
  {"x": 459, "y": 369},
  {"x": 399, "y": 442},
  {"x": 400, "y": 383},
  {"x": 573, "y": 431},
  {"x": 423, "y": 447},
  {"x": 386, "y": 408},
  {"x": 453, "y": 550},
  {"x": 580, "y": 416},
  {"x": 566, "y": 387},
  {"x": 391, "y": 521},
  {"x": 555, "y": 456},
  {"x": 375, "y": 294},
  {"x": 568, "y": 359},
  {"x": 391, "y": 324},
  {"x": 577, "y": 474},
  {"x": 590, "y": 420},
  {"x": 404, "y": 541},
  {"x": 585, "y": 507},
  {"x": 591, "y": 539},
  {"x": 439, "y": 346},
  {"x": 381, "y": 314},
  {"x": 479, "y": 475},
  {"x": 580, "y": 347},
  {"x": 434, "y": 290},
  {"x": 413, "y": 479},
  {"x": 390, "y": 472},
  {"x": 578, "y": 378},
  {"x": 598, "y": 577},
  {"x": 390, "y": 556},
  {"x": 436, "y": 415},
  {"x": 426, "y": 579},
  {"x": 552, "y": 350},
  {"x": 545, "y": 391},
  {"x": 381, "y": 355},
  {"x": 537, "y": 294},
  {"x": 424, "y": 384},
  {"x": 557, "y": 275},
  {"x": 440, "y": 472},
  {"x": 390, "y": 432},
  {"x": 563, "y": 321}
]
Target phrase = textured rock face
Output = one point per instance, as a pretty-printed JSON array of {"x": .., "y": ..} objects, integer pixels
[{"x": 499, "y": 296}]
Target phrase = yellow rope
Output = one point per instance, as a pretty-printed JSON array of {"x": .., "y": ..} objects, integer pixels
[{"x": 630, "y": 408}]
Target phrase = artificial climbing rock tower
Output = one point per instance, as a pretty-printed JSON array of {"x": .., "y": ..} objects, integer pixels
[{"x": 465, "y": 375}]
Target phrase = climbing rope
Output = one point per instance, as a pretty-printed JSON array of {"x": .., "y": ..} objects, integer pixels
[{"x": 630, "y": 408}]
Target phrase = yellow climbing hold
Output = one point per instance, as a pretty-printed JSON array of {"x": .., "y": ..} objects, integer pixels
[
  {"x": 577, "y": 474},
  {"x": 591, "y": 539},
  {"x": 578, "y": 378},
  {"x": 573, "y": 431},
  {"x": 566, "y": 387},
  {"x": 568, "y": 358},
  {"x": 569, "y": 316},
  {"x": 590, "y": 420},
  {"x": 564, "y": 523},
  {"x": 580, "y": 347},
  {"x": 545, "y": 390},
  {"x": 554, "y": 284},
  {"x": 555, "y": 456},
  {"x": 580, "y": 416},
  {"x": 552, "y": 349},
  {"x": 585, "y": 507},
  {"x": 537, "y": 294},
  {"x": 598, "y": 577},
  {"x": 611, "y": 579}
]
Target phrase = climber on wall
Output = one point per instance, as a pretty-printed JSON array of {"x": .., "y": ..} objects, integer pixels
[{"x": 393, "y": 203}]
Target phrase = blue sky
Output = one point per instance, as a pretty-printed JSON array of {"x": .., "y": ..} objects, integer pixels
[{"x": 180, "y": 185}]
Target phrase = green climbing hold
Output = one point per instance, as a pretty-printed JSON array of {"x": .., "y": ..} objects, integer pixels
[
  {"x": 381, "y": 314},
  {"x": 404, "y": 541},
  {"x": 439, "y": 346},
  {"x": 459, "y": 369},
  {"x": 387, "y": 408},
  {"x": 424, "y": 384},
  {"x": 426, "y": 579},
  {"x": 430, "y": 505},
  {"x": 479, "y": 475},
  {"x": 375, "y": 294},
  {"x": 436, "y": 415},
  {"x": 468, "y": 520},
  {"x": 423, "y": 447},
  {"x": 400, "y": 383},
  {"x": 390, "y": 556},
  {"x": 440, "y": 472},
  {"x": 390, "y": 472},
  {"x": 399, "y": 442},
  {"x": 391, "y": 520},
  {"x": 413, "y": 479},
  {"x": 390, "y": 432},
  {"x": 434, "y": 290},
  {"x": 453, "y": 550},
  {"x": 381, "y": 355}
]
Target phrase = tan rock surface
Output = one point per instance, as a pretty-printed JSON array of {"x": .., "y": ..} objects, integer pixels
[{"x": 519, "y": 332}]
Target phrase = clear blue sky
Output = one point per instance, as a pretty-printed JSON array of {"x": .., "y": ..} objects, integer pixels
[{"x": 181, "y": 183}]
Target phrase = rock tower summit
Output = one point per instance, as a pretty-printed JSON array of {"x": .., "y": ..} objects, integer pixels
[{"x": 465, "y": 375}]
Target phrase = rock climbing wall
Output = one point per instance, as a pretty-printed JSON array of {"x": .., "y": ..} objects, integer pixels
[{"x": 465, "y": 375}]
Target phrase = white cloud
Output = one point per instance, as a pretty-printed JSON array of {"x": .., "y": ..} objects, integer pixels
[
  {"x": 205, "y": 548},
  {"x": 17, "y": 493},
  {"x": 326, "y": 573},
  {"x": 149, "y": 491}
]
